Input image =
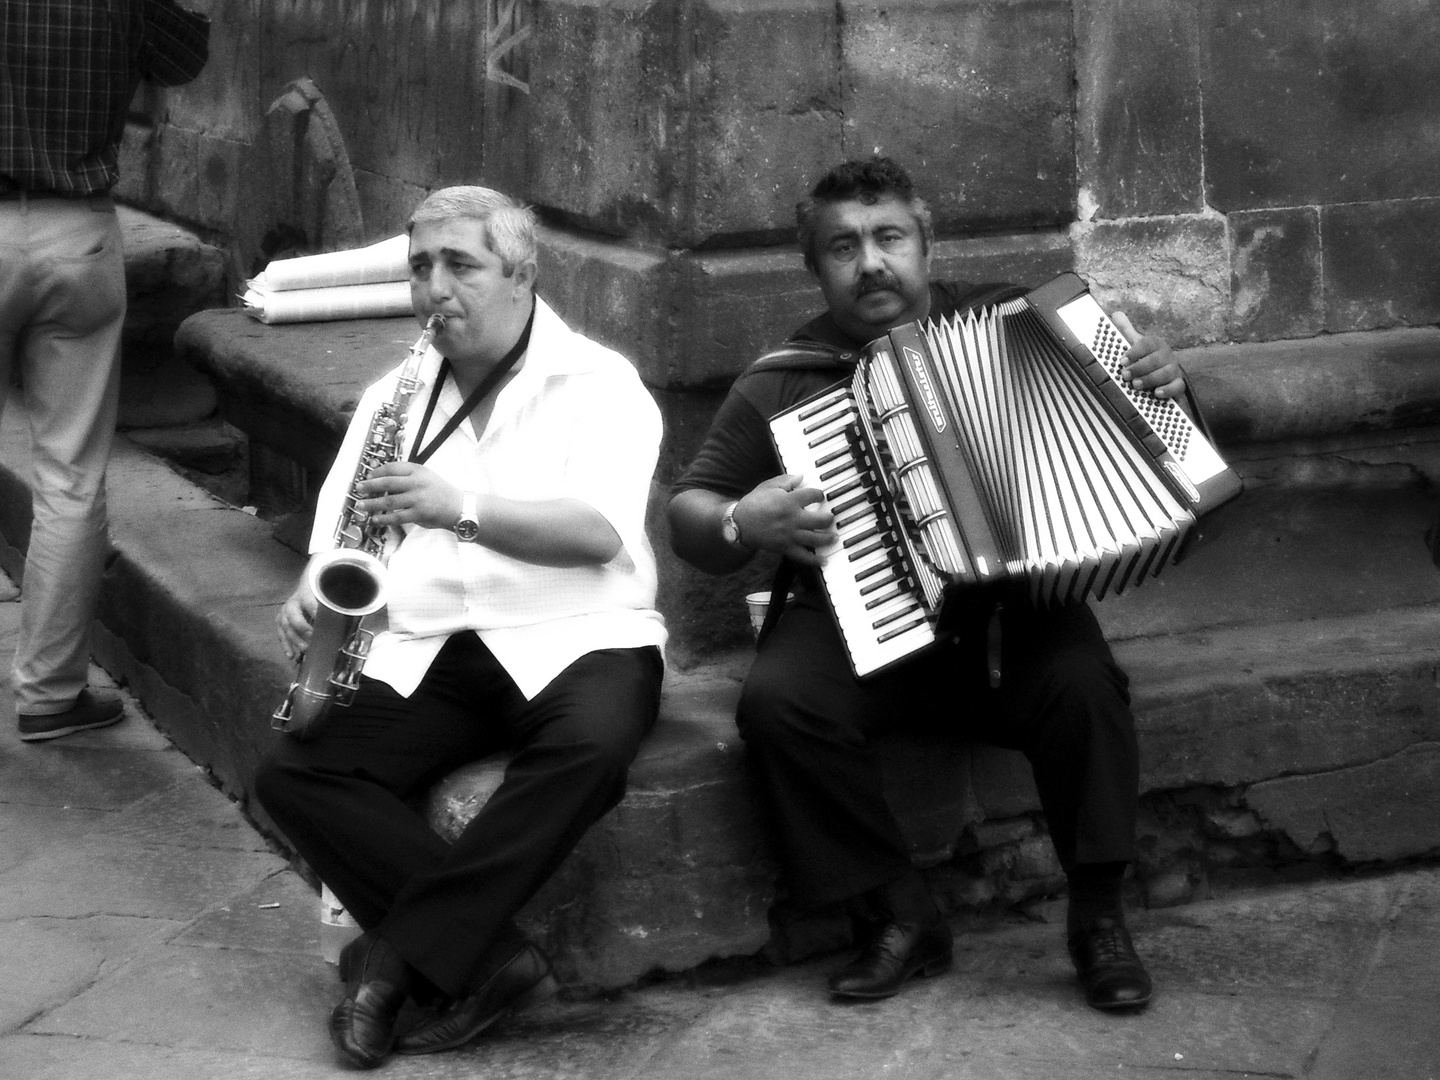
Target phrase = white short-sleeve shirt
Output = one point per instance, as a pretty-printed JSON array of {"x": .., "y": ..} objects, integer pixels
[{"x": 574, "y": 422}]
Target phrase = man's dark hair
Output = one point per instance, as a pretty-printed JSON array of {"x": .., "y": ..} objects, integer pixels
[{"x": 868, "y": 182}]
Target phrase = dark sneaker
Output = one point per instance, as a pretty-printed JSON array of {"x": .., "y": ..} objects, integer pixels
[{"x": 92, "y": 709}]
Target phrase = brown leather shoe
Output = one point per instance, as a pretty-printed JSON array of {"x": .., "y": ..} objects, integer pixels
[
  {"x": 377, "y": 982},
  {"x": 899, "y": 951},
  {"x": 92, "y": 709},
  {"x": 515, "y": 985},
  {"x": 1108, "y": 967}
]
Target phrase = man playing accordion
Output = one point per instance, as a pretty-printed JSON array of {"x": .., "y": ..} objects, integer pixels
[{"x": 807, "y": 721}]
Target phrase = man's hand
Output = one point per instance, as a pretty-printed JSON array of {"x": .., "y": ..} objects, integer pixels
[
  {"x": 294, "y": 619},
  {"x": 403, "y": 493},
  {"x": 781, "y": 516},
  {"x": 1150, "y": 365}
]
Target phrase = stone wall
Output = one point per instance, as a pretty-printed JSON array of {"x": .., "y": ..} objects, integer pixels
[{"x": 1222, "y": 169}]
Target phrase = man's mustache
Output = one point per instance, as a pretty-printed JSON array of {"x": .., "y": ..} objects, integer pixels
[{"x": 877, "y": 283}]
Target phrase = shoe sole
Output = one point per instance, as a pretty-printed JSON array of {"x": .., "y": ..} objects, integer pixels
[
  {"x": 925, "y": 971},
  {"x": 56, "y": 733}
]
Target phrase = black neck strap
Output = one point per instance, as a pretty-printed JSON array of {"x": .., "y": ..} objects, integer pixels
[{"x": 421, "y": 455}]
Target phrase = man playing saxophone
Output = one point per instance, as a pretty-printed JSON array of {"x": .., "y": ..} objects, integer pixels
[{"x": 521, "y": 616}]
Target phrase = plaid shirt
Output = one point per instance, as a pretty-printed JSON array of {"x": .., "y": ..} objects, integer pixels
[{"x": 68, "y": 71}]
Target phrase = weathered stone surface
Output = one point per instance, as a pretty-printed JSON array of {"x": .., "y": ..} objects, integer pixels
[
  {"x": 1369, "y": 813},
  {"x": 1311, "y": 389},
  {"x": 1319, "y": 103},
  {"x": 1382, "y": 264},
  {"x": 170, "y": 273},
  {"x": 169, "y": 394},
  {"x": 766, "y": 116},
  {"x": 974, "y": 98},
  {"x": 1138, "y": 106},
  {"x": 1275, "y": 274},
  {"x": 1171, "y": 276}
]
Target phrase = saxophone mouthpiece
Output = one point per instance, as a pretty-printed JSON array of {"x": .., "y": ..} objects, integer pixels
[{"x": 435, "y": 324}]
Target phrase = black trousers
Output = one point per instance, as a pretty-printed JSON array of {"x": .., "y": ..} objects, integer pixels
[
  {"x": 345, "y": 798},
  {"x": 807, "y": 725}
]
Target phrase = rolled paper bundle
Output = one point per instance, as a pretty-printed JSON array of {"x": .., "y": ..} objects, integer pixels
[
  {"x": 389, "y": 260},
  {"x": 374, "y": 301}
]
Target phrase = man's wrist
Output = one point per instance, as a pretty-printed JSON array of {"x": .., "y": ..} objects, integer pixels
[
  {"x": 467, "y": 528},
  {"x": 729, "y": 529}
]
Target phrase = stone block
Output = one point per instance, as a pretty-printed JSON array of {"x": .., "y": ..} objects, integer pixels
[
  {"x": 765, "y": 118},
  {"x": 1377, "y": 812},
  {"x": 1318, "y": 388},
  {"x": 713, "y": 142},
  {"x": 606, "y": 94},
  {"x": 224, "y": 165},
  {"x": 1170, "y": 275},
  {"x": 974, "y": 98},
  {"x": 1319, "y": 102},
  {"x": 1027, "y": 258},
  {"x": 1137, "y": 67},
  {"x": 1275, "y": 274},
  {"x": 405, "y": 81},
  {"x": 616, "y": 293},
  {"x": 175, "y": 190},
  {"x": 1382, "y": 264},
  {"x": 222, "y": 101},
  {"x": 170, "y": 273}
]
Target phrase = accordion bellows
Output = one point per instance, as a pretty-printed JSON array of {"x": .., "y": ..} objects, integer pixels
[{"x": 996, "y": 445}]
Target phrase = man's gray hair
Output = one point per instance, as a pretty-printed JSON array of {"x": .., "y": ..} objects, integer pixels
[{"x": 509, "y": 225}]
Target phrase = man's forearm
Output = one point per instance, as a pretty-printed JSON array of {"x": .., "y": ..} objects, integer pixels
[
  {"x": 553, "y": 532},
  {"x": 695, "y": 533}
]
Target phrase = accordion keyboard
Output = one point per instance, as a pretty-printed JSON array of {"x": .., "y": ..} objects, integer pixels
[{"x": 867, "y": 570}]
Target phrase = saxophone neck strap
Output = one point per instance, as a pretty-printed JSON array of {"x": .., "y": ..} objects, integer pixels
[{"x": 421, "y": 454}]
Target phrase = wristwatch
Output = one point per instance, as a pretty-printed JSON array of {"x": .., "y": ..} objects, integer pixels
[
  {"x": 467, "y": 529},
  {"x": 728, "y": 529}
]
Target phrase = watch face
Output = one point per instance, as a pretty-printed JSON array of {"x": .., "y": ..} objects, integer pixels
[{"x": 467, "y": 530}]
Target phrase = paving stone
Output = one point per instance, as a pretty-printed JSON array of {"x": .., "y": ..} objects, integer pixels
[
  {"x": 279, "y": 914},
  {"x": 98, "y": 877},
  {"x": 1381, "y": 1036},
  {"x": 189, "y": 812},
  {"x": 46, "y": 1057},
  {"x": 46, "y": 961},
  {"x": 27, "y": 829},
  {"x": 66, "y": 774},
  {"x": 208, "y": 999}
]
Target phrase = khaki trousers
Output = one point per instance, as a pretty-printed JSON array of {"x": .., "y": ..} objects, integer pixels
[{"x": 62, "y": 303}]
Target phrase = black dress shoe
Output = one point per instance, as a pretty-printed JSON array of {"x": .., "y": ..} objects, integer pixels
[
  {"x": 510, "y": 988},
  {"x": 377, "y": 982},
  {"x": 1108, "y": 968},
  {"x": 898, "y": 951}
]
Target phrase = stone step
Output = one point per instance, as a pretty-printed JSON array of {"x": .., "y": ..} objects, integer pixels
[{"x": 1284, "y": 682}]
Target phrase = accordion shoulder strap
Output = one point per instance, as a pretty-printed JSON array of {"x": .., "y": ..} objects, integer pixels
[{"x": 805, "y": 355}]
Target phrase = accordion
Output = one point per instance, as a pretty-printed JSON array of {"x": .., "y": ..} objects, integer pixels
[{"x": 998, "y": 445}]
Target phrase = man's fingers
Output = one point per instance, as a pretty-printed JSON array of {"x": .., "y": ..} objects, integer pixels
[{"x": 1127, "y": 330}]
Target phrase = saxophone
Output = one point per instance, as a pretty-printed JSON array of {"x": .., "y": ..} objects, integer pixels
[{"x": 349, "y": 581}]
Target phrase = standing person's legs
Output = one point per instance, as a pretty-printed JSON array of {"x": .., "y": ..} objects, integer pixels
[{"x": 67, "y": 283}]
